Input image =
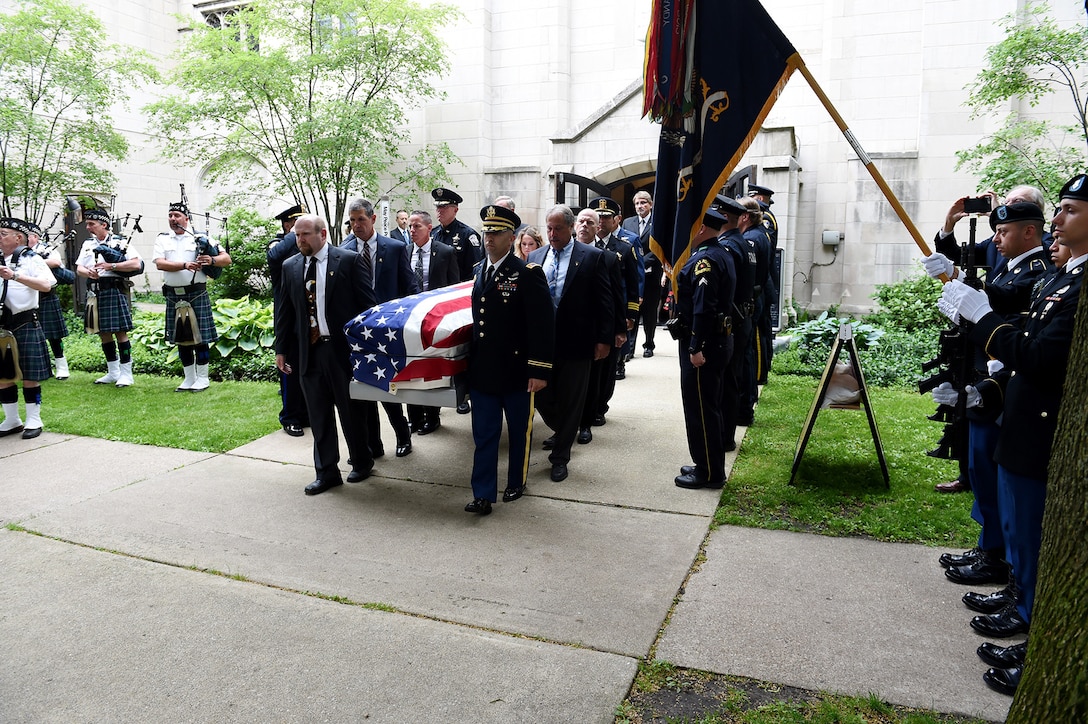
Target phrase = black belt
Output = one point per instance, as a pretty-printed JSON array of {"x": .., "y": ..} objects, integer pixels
[
  {"x": 112, "y": 283},
  {"x": 191, "y": 289},
  {"x": 16, "y": 320},
  {"x": 321, "y": 340}
]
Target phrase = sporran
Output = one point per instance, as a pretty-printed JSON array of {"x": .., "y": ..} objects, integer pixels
[
  {"x": 186, "y": 324},
  {"x": 90, "y": 314},
  {"x": 10, "y": 372}
]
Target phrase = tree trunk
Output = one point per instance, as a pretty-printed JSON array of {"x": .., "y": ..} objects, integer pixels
[{"x": 1055, "y": 683}]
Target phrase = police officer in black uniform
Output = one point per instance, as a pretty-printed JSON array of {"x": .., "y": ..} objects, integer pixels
[
  {"x": 293, "y": 415},
  {"x": 453, "y": 232},
  {"x": 736, "y": 408},
  {"x": 705, "y": 291},
  {"x": 763, "y": 321}
]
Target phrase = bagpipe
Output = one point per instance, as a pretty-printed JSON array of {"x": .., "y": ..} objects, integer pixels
[
  {"x": 204, "y": 245},
  {"x": 10, "y": 371},
  {"x": 114, "y": 250},
  {"x": 51, "y": 243}
]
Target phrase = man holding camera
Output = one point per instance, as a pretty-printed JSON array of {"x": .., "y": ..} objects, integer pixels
[{"x": 185, "y": 260}]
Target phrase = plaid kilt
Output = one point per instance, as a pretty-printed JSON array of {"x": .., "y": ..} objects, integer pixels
[
  {"x": 202, "y": 307},
  {"x": 114, "y": 314},
  {"x": 33, "y": 352},
  {"x": 51, "y": 316}
]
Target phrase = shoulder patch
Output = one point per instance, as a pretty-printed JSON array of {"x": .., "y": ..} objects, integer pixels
[
  {"x": 532, "y": 265},
  {"x": 702, "y": 266},
  {"x": 1037, "y": 264}
]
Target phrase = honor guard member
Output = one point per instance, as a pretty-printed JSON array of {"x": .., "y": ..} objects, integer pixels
[
  {"x": 510, "y": 358},
  {"x": 50, "y": 313},
  {"x": 764, "y": 323},
  {"x": 1035, "y": 350},
  {"x": 737, "y": 407},
  {"x": 705, "y": 290},
  {"x": 763, "y": 195},
  {"x": 186, "y": 260},
  {"x": 108, "y": 280},
  {"x": 462, "y": 237},
  {"x": 23, "y": 276},
  {"x": 293, "y": 415},
  {"x": 614, "y": 238}
]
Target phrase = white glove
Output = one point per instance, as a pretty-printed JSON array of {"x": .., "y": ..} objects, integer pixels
[
  {"x": 937, "y": 264},
  {"x": 994, "y": 366},
  {"x": 971, "y": 304},
  {"x": 974, "y": 399},
  {"x": 944, "y": 394}
]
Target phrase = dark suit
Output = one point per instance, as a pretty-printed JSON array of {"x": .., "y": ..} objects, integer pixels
[
  {"x": 324, "y": 368},
  {"x": 393, "y": 278},
  {"x": 620, "y": 261},
  {"x": 651, "y": 292},
  {"x": 397, "y": 235},
  {"x": 293, "y": 406},
  {"x": 512, "y": 341},
  {"x": 584, "y": 318},
  {"x": 444, "y": 271}
]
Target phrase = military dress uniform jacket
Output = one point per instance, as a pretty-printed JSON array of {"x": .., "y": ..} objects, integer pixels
[
  {"x": 629, "y": 266},
  {"x": 1035, "y": 349},
  {"x": 465, "y": 242},
  {"x": 705, "y": 292},
  {"x": 1009, "y": 290},
  {"x": 744, "y": 263},
  {"x": 513, "y": 330}
]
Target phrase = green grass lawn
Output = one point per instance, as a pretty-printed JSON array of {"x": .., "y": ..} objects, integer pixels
[
  {"x": 221, "y": 418},
  {"x": 839, "y": 489}
]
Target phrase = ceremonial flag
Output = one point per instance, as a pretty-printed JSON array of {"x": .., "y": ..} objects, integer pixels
[
  {"x": 419, "y": 341},
  {"x": 714, "y": 68}
]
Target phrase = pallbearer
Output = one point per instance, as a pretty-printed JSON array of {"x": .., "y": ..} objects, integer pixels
[{"x": 510, "y": 357}]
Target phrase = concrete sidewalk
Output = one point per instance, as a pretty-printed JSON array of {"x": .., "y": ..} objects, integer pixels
[{"x": 384, "y": 601}]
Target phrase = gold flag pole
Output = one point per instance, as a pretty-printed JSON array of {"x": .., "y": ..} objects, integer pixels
[{"x": 868, "y": 162}]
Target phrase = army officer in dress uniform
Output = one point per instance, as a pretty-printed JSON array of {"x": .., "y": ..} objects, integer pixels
[
  {"x": 510, "y": 357},
  {"x": 704, "y": 299}
]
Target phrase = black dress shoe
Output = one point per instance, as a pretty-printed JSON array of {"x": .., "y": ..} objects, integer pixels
[
  {"x": 621, "y": 372},
  {"x": 511, "y": 494},
  {"x": 549, "y": 443},
  {"x": 694, "y": 481},
  {"x": 430, "y": 426},
  {"x": 405, "y": 449},
  {"x": 990, "y": 602},
  {"x": 31, "y": 432},
  {"x": 966, "y": 558},
  {"x": 479, "y": 505},
  {"x": 464, "y": 408},
  {"x": 320, "y": 486},
  {"x": 293, "y": 430},
  {"x": 984, "y": 570},
  {"x": 585, "y": 436},
  {"x": 1004, "y": 681},
  {"x": 1006, "y": 622},
  {"x": 358, "y": 476},
  {"x": 647, "y": 352},
  {"x": 687, "y": 469},
  {"x": 1003, "y": 657},
  {"x": 599, "y": 421},
  {"x": 559, "y": 472},
  {"x": 13, "y": 431}
]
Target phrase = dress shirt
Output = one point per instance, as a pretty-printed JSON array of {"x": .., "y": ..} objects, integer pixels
[
  {"x": 558, "y": 277},
  {"x": 21, "y": 298}
]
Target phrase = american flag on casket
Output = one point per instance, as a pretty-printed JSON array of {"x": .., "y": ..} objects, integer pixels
[{"x": 418, "y": 342}]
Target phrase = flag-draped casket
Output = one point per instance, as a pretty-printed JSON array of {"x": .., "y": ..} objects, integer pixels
[{"x": 413, "y": 349}]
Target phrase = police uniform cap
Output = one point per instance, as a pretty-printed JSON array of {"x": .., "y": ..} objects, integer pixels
[
  {"x": 1023, "y": 211},
  {"x": 714, "y": 219},
  {"x": 762, "y": 190},
  {"x": 726, "y": 205},
  {"x": 499, "y": 218},
  {"x": 97, "y": 215},
  {"x": 1075, "y": 188},
  {"x": 15, "y": 225},
  {"x": 445, "y": 197},
  {"x": 604, "y": 206},
  {"x": 292, "y": 213}
]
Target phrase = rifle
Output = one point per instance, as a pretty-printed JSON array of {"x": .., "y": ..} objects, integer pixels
[{"x": 954, "y": 364}]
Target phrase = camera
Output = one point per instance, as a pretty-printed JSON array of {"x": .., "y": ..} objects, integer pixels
[{"x": 977, "y": 205}]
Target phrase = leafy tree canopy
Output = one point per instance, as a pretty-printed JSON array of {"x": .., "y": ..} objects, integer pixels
[
  {"x": 1036, "y": 58},
  {"x": 59, "y": 80},
  {"x": 314, "y": 91}
]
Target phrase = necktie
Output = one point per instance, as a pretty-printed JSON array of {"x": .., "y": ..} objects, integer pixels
[
  {"x": 599, "y": 242},
  {"x": 553, "y": 278},
  {"x": 368, "y": 265},
  {"x": 419, "y": 268},
  {"x": 641, "y": 227},
  {"x": 489, "y": 274},
  {"x": 311, "y": 298}
]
